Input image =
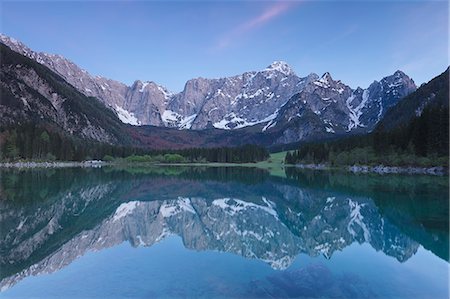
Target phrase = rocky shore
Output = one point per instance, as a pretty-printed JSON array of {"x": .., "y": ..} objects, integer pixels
[
  {"x": 30, "y": 164},
  {"x": 313, "y": 166},
  {"x": 381, "y": 169}
]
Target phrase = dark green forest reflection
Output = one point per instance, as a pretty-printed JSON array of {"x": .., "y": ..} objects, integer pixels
[{"x": 48, "y": 218}]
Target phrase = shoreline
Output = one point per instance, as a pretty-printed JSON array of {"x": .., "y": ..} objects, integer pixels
[
  {"x": 380, "y": 169},
  {"x": 54, "y": 164},
  {"x": 97, "y": 164}
]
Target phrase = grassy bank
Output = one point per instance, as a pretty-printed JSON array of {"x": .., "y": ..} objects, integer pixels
[{"x": 274, "y": 164}]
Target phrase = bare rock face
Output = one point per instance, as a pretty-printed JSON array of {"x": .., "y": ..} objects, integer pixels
[
  {"x": 106, "y": 90},
  {"x": 147, "y": 101},
  {"x": 233, "y": 102},
  {"x": 326, "y": 106},
  {"x": 30, "y": 96},
  {"x": 248, "y": 99},
  {"x": 115, "y": 95},
  {"x": 368, "y": 106}
]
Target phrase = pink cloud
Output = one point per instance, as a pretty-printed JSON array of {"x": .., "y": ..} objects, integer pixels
[{"x": 272, "y": 12}]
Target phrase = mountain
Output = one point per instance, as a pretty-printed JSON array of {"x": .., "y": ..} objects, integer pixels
[
  {"x": 369, "y": 106},
  {"x": 273, "y": 99},
  {"x": 34, "y": 99},
  {"x": 433, "y": 94},
  {"x": 326, "y": 106},
  {"x": 413, "y": 132},
  {"x": 234, "y": 102},
  {"x": 140, "y": 98},
  {"x": 32, "y": 93},
  {"x": 260, "y": 97}
]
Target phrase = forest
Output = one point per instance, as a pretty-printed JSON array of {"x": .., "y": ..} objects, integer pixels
[
  {"x": 44, "y": 143},
  {"x": 423, "y": 141}
]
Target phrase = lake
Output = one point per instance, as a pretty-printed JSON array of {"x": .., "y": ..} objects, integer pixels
[{"x": 231, "y": 232}]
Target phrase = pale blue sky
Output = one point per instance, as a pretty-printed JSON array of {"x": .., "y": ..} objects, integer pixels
[{"x": 171, "y": 42}]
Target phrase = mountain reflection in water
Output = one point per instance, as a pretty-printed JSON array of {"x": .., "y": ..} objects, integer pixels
[{"x": 49, "y": 218}]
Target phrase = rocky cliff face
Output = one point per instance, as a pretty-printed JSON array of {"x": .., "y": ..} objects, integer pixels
[
  {"x": 108, "y": 91},
  {"x": 367, "y": 107},
  {"x": 235, "y": 102},
  {"x": 435, "y": 94},
  {"x": 147, "y": 101},
  {"x": 274, "y": 98},
  {"x": 136, "y": 104},
  {"x": 326, "y": 106}
]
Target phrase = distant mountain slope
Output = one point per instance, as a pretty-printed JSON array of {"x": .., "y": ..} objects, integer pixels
[
  {"x": 142, "y": 98},
  {"x": 33, "y": 93},
  {"x": 326, "y": 107},
  {"x": 433, "y": 93},
  {"x": 415, "y": 132}
]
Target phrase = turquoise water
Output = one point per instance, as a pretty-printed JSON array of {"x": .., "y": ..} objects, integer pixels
[{"x": 222, "y": 233}]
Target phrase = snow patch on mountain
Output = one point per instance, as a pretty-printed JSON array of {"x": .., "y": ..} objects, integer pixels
[
  {"x": 186, "y": 123},
  {"x": 355, "y": 113},
  {"x": 280, "y": 66},
  {"x": 329, "y": 130},
  {"x": 127, "y": 117},
  {"x": 232, "y": 121},
  {"x": 380, "y": 113},
  {"x": 231, "y": 118},
  {"x": 356, "y": 218},
  {"x": 169, "y": 116},
  {"x": 144, "y": 84},
  {"x": 244, "y": 95},
  {"x": 271, "y": 120},
  {"x": 183, "y": 204},
  {"x": 125, "y": 209},
  {"x": 232, "y": 206},
  {"x": 173, "y": 119},
  {"x": 167, "y": 94}
]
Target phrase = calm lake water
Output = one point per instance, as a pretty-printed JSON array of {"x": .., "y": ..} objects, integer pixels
[{"x": 221, "y": 232}]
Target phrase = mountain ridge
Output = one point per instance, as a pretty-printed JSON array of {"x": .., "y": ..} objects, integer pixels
[
  {"x": 239, "y": 101},
  {"x": 31, "y": 92}
]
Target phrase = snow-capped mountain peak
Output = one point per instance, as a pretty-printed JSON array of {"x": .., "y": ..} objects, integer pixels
[
  {"x": 326, "y": 79},
  {"x": 143, "y": 85},
  {"x": 399, "y": 73},
  {"x": 280, "y": 66},
  {"x": 6, "y": 39}
]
